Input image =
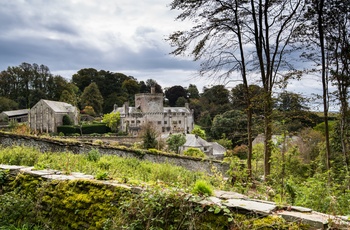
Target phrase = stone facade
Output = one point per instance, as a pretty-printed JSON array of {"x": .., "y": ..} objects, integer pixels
[
  {"x": 149, "y": 109},
  {"x": 46, "y": 115}
]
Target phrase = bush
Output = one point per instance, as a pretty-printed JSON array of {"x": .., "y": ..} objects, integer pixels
[
  {"x": 66, "y": 120},
  {"x": 93, "y": 155},
  {"x": 202, "y": 188},
  {"x": 194, "y": 152},
  {"x": 68, "y": 129},
  {"x": 95, "y": 128}
]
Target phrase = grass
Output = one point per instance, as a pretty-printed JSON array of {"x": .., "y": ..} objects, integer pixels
[{"x": 125, "y": 170}]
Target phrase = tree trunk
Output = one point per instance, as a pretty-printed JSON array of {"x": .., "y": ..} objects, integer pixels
[{"x": 324, "y": 81}]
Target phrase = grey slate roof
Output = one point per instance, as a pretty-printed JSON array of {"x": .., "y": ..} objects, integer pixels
[
  {"x": 60, "y": 107},
  {"x": 217, "y": 148},
  {"x": 176, "y": 109},
  {"x": 193, "y": 140},
  {"x": 16, "y": 112}
]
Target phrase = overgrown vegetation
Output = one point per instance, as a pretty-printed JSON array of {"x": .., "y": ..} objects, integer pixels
[{"x": 31, "y": 203}]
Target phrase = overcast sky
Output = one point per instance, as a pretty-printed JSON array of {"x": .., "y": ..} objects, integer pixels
[{"x": 126, "y": 36}]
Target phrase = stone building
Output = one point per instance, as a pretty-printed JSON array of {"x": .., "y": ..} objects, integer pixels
[
  {"x": 149, "y": 108},
  {"x": 46, "y": 115},
  {"x": 20, "y": 115}
]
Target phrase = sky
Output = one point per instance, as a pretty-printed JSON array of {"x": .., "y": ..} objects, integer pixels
[{"x": 125, "y": 36}]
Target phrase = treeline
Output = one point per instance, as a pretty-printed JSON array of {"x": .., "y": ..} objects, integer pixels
[
  {"x": 218, "y": 110},
  {"x": 24, "y": 85}
]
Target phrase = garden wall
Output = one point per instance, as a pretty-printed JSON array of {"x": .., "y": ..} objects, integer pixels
[{"x": 78, "y": 147}]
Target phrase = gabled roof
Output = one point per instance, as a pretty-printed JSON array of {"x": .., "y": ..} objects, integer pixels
[
  {"x": 193, "y": 140},
  {"x": 16, "y": 112},
  {"x": 217, "y": 148},
  {"x": 60, "y": 107}
]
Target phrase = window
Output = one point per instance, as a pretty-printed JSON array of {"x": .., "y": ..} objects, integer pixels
[
  {"x": 179, "y": 122},
  {"x": 132, "y": 122},
  {"x": 165, "y": 122},
  {"x": 159, "y": 122}
]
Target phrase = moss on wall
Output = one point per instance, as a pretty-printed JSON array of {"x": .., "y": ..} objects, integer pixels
[{"x": 89, "y": 204}]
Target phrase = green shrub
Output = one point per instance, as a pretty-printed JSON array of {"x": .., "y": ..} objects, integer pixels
[
  {"x": 93, "y": 155},
  {"x": 68, "y": 129},
  {"x": 194, "y": 152},
  {"x": 202, "y": 188},
  {"x": 99, "y": 128},
  {"x": 66, "y": 120}
]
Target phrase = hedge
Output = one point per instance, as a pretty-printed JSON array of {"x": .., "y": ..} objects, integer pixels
[{"x": 85, "y": 129}]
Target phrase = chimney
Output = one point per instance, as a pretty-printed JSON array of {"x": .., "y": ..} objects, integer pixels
[{"x": 153, "y": 90}]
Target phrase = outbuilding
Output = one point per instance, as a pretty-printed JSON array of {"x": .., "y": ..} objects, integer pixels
[{"x": 46, "y": 115}]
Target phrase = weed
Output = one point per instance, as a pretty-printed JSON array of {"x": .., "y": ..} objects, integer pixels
[{"x": 202, "y": 188}]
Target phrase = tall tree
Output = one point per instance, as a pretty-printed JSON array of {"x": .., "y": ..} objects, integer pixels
[
  {"x": 92, "y": 97},
  {"x": 175, "y": 92},
  {"x": 273, "y": 24},
  {"x": 192, "y": 92}
]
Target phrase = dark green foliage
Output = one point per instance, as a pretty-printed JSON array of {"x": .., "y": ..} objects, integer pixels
[
  {"x": 95, "y": 128},
  {"x": 233, "y": 124},
  {"x": 92, "y": 97},
  {"x": 174, "y": 93},
  {"x": 24, "y": 85},
  {"x": 149, "y": 137},
  {"x": 68, "y": 129},
  {"x": 100, "y": 128},
  {"x": 7, "y": 104},
  {"x": 66, "y": 120}
]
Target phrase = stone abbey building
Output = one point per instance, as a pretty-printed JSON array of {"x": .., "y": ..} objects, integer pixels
[{"x": 149, "y": 109}]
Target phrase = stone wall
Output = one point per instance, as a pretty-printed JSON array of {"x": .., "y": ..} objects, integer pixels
[{"x": 56, "y": 145}]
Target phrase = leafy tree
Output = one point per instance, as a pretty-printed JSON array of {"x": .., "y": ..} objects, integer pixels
[
  {"x": 174, "y": 141},
  {"x": 153, "y": 83},
  {"x": 112, "y": 120},
  {"x": 132, "y": 87},
  {"x": 84, "y": 77},
  {"x": 288, "y": 101},
  {"x": 92, "y": 97},
  {"x": 27, "y": 83},
  {"x": 175, "y": 92},
  {"x": 68, "y": 97},
  {"x": 215, "y": 100},
  {"x": 7, "y": 104},
  {"x": 66, "y": 120},
  {"x": 89, "y": 110},
  {"x": 232, "y": 124},
  {"x": 192, "y": 92},
  {"x": 199, "y": 132},
  {"x": 194, "y": 152},
  {"x": 181, "y": 102}
]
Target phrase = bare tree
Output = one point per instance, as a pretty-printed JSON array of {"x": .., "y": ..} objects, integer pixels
[
  {"x": 245, "y": 37},
  {"x": 218, "y": 40}
]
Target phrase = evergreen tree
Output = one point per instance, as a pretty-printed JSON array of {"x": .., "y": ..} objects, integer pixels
[{"x": 92, "y": 97}]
